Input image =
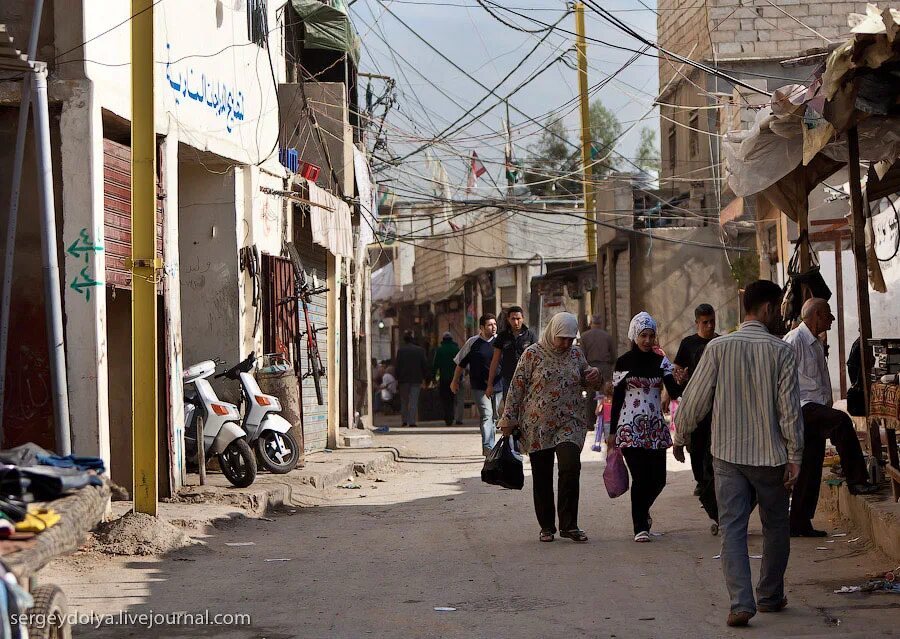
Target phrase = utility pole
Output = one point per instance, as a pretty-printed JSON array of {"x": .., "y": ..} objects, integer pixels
[
  {"x": 144, "y": 263},
  {"x": 590, "y": 228},
  {"x": 510, "y": 182}
]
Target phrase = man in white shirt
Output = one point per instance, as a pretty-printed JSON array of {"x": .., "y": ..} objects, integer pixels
[{"x": 821, "y": 421}]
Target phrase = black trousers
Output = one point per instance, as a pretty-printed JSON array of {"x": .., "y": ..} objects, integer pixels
[
  {"x": 648, "y": 478},
  {"x": 821, "y": 423},
  {"x": 569, "y": 457},
  {"x": 448, "y": 405},
  {"x": 702, "y": 466}
]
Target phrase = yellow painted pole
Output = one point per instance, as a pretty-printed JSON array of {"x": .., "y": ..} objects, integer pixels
[
  {"x": 590, "y": 228},
  {"x": 144, "y": 263}
]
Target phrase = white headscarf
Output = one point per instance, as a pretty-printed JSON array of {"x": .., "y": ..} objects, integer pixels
[
  {"x": 640, "y": 323},
  {"x": 560, "y": 325}
]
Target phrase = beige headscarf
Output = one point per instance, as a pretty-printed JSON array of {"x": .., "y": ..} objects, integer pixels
[{"x": 560, "y": 325}]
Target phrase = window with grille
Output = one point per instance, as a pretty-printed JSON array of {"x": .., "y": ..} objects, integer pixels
[{"x": 258, "y": 22}]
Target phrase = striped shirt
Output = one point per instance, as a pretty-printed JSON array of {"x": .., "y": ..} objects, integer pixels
[{"x": 749, "y": 378}]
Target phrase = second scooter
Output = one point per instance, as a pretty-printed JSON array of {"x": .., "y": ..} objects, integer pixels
[{"x": 267, "y": 431}]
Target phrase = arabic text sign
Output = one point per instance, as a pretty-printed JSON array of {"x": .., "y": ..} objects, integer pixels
[{"x": 195, "y": 86}]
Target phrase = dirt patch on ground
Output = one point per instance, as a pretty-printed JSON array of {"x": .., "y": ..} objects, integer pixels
[{"x": 139, "y": 534}]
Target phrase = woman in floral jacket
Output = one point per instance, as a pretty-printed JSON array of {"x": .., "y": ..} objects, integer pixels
[
  {"x": 544, "y": 404},
  {"x": 637, "y": 425}
]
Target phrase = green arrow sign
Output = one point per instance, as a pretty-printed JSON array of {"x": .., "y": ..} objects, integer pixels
[
  {"x": 82, "y": 246},
  {"x": 84, "y": 284}
]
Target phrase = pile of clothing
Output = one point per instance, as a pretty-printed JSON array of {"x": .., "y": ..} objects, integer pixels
[{"x": 29, "y": 474}]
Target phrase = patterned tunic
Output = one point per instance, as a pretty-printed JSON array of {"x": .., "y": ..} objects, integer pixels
[
  {"x": 637, "y": 401},
  {"x": 544, "y": 399}
]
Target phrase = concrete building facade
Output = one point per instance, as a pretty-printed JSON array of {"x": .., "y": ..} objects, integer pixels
[{"x": 221, "y": 190}]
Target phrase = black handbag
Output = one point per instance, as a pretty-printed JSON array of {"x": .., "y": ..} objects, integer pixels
[{"x": 792, "y": 301}]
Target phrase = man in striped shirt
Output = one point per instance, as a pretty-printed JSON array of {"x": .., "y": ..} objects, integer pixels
[{"x": 749, "y": 379}]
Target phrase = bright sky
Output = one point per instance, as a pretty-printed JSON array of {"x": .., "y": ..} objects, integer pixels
[{"x": 488, "y": 50}]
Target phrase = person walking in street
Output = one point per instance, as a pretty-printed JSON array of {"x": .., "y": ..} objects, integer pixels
[
  {"x": 476, "y": 355},
  {"x": 600, "y": 352},
  {"x": 412, "y": 371},
  {"x": 820, "y": 421},
  {"x": 511, "y": 342},
  {"x": 544, "y": 405},
  {"x": 749, "y": 380},
  {"x": 444, "y": 367},
  {"x": 638, "y": 426},
  {"x": 689, "y": 353}
]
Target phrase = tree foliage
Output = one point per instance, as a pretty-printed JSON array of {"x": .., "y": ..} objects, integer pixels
[
  {"x": 554, "y": 163},
  {"x": 648, "y": 153}
]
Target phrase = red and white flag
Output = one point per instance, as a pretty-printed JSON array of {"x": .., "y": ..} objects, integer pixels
[{"x": 476, "y": 170}]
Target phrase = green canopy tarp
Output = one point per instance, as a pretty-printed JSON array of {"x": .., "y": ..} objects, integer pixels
[{"x": 327, "y": 26}]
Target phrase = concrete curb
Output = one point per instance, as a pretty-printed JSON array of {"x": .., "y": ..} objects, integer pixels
[
  {"x": 876, "y": 516},
  {"x": 326, "y": 470}
]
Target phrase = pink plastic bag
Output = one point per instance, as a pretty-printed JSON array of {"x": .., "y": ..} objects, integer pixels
[{"x": 615, "y": 476}]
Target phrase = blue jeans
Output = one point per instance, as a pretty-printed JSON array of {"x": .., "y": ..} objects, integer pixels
[
  {"x": 735, "y": 486},
  {"x": 489, "y": 412}
]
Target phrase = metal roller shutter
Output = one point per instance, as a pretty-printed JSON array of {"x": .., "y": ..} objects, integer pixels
[
  {"x": 117, "y": 214},
  {"x": 315, "y": 261}
]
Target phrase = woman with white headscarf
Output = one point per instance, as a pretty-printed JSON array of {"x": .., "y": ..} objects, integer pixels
[
  {"x": 544, "y": 404},
  {"x": 637, "y": 425}
]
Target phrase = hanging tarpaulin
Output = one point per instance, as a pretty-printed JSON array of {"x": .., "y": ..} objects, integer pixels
[
  {"x": 368, "y": 220},
  {"x": 327, "y": 26}
]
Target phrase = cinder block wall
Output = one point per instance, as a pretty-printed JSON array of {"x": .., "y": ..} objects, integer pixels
[{"x": 758, "y": 30}]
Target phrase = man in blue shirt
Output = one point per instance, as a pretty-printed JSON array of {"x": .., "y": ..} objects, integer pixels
[{"x": 476, "y": 355}]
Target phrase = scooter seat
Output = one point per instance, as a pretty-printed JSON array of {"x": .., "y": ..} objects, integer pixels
[{"x": 199, "y": 371}]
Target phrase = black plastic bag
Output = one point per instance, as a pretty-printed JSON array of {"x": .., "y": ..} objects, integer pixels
[{"x": 503, "y": 465}]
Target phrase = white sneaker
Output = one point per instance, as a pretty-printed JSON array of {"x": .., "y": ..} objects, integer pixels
[{"x": 643, "y": 537}]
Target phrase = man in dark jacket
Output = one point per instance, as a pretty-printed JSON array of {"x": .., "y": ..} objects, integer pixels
[
  {"x": 444, "y": 367},
  {"x": 412, "y": 371}
]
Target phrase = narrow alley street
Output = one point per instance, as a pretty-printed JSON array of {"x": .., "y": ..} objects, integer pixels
[{"x": 379, "y": 561}]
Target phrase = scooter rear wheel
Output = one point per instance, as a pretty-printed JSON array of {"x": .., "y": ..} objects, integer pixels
[
  {"x": 238, "y": 463},
  {"x": 268, "y": 452}
]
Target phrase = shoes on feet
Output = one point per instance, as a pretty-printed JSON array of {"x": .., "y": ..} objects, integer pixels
[
  {"x": 546, "y": 536},
  {"x": 776, "y": 607},
  {"x": 740, "y": 618},
  {"x": 459, "y": 423},
  {"x": 697, "y": 490},
  {"x": 643, "y": 537},
  {"x": 862, "y": 489},
  {"x": 575, "y": 535},
  {"x": 714, "y": 529},
  {"x": 808, "y": 532}
]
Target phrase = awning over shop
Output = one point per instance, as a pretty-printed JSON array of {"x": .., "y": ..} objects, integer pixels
[
  {"x": 800, "y": 139},
  {"x": 327, "y": 26}
]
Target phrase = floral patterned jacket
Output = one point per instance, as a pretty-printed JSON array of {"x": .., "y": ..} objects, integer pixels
[
  {"x": 544, "y": 400},
  {"x": 637, "y": 418}
]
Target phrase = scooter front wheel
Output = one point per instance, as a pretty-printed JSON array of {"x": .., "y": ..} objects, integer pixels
[
  {"x": 278, "y": 452},
  {"x": 238, "y": 463}
]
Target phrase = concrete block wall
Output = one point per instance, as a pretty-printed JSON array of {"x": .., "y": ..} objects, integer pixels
[
  {"x": 756, "y": 29},
  {"x": 682, "y": 29}
]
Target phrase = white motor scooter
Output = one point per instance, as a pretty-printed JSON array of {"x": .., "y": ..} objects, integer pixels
[
  {"x": 267, "y": 431},
  {"x": 219, "y": 421}
]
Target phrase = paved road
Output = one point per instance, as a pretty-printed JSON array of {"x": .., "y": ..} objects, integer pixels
[{"x": 376, "y": 562}]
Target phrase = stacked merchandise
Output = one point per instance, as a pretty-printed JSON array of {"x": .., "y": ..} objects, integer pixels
[{"x": 887, "y": 357}]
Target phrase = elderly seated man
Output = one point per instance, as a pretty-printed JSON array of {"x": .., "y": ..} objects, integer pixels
[{"x": 821, "y": 421}]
